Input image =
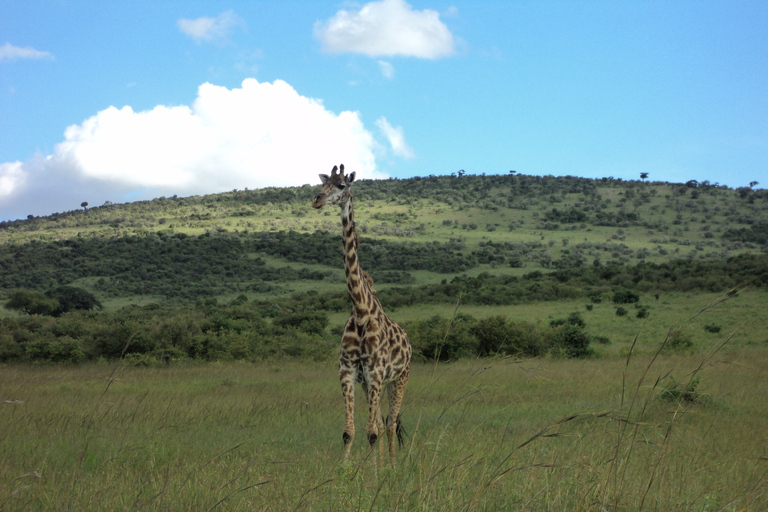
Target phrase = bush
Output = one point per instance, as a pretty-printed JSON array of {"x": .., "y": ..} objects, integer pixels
[
  {"x": 72, "y": 298},
  {"x": 32, "y": 303},
  {"x": 312, "y": 323},
  {"x": 678, "y": 341},
  {"x": 497, "y": 335},
  {"x": 570, "y": 340},
  {"x": 9, "y": 348},
  {"x": 625, "y": 297},
  {"x": 442, "y": 339},
  {"x": 56, "y": 350},
  {"x": 676, "y": 392}
]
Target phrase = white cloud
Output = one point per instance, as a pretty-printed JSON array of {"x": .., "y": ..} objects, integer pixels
[
  {"x": 12, "y": 177},
  {"x": 386, "y": 28},
  {"x": 395, "y": 137},
  {"x": 258, "y": 135},
  {"x": 207, "y": 29},
  {"x": 10, "y": 52},
  {"x": 387, "y": 69}
]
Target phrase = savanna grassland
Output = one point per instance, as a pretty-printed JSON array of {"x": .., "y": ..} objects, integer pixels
[
  {"x": 684, "y": 432},
  {"x": 578, "y": 345}
]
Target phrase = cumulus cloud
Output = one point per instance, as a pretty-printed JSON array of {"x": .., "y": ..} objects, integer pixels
[
  {"x": 258, "y": 135},
  {"x": 207, "y": 29},
  {"x": 10, "y": 52},
  {"x": 12, "y": 176},
  {"x": 386, "y": 28},
  {"x": 396, "y": 138}
]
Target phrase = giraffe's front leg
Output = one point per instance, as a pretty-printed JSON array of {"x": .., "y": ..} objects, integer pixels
[{"x": 347, "y": 378}]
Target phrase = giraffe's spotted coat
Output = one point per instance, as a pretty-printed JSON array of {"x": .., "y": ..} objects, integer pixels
[{"x": 375, "y": 351}]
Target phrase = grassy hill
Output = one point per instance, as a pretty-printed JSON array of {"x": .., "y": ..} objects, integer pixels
[
  {"x": 428, "y": 228},
  {"x": 491, "y": 243}
]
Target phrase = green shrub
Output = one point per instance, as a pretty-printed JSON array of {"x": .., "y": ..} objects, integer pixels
[
  {"x": 625, "y": 297},
  {"x": 57, "y": 350},
  {"x": 9, "y": 348},
  {"x": 497, "y": 335},
  {"x": 678, "y": 341},
  {"x": 441, "y": 338},
  {"x": 570, "y": 341},
  {"x": 712, "y": 328},
  {"x": 312, "y": 323},
  {"x": 676, "y": 392}
]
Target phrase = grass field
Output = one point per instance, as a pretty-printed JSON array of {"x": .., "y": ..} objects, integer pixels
[{"x": 493, "y": 434}]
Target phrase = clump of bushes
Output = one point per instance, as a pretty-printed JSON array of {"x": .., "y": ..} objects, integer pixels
[
  {"x": 625, "y": 297},
  {"x": 443, "y": 339},
  {"x": 251, "y": 330},
  {"x": 153, "y": 334}
]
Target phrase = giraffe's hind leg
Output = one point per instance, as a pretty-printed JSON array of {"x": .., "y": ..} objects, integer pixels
[
  {"x": 395, "y": 390},
  {"x": 374, "y": 415},
  {"x": 347, "y": 378},
  {"x": 380, "y": 425}
]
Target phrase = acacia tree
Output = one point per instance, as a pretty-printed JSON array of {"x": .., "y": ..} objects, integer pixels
[
  {"x": 54, "y": 302},
  {"x": 71, "y": 298},
  {"x": 32, "y": 303}
]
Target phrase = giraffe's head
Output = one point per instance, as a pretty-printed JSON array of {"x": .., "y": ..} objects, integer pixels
[{"x": 336, "y": 188}]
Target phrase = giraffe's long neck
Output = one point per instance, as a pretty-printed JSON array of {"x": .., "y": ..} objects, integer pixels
[{"x": 359, "y": 289}]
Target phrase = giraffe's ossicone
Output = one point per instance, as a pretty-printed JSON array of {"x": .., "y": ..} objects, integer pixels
[{"x": 375, "y": 351}]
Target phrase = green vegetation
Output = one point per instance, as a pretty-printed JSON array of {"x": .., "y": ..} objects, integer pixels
[
  {"x": 543, "y": 434},
  {"x": 578, "y": 345},
  {"x": 245, "y": 261}
]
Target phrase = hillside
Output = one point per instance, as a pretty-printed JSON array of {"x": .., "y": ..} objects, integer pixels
[
  {"x": 550, "y": 264},
  {"x": 413, "y": 232}
]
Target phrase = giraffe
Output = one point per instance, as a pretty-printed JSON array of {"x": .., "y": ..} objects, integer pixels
[{"x": 375, "y": 351}]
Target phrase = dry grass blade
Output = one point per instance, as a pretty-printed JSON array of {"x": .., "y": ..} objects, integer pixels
[{"x": 225, "y": 498}]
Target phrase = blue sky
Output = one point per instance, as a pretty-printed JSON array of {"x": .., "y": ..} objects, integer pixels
[{"x": 118, "y": 101}]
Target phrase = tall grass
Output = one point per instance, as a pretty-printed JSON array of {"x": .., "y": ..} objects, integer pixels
[{"x": 497, "y": 434}]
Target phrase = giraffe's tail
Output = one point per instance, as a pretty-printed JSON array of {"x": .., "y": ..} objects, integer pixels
[{"x": 400, "y": 430}]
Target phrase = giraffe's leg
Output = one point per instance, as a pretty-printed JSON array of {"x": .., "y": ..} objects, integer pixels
[
  {"x": 347, "y": 377},
  {"x": 395, "y": 391},
  {"x": 381, "y": 420},
  {"x": 382, "y": 429},
  {"x": 374, "y": 413}
]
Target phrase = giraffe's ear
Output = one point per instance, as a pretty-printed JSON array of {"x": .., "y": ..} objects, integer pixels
[
  {"x": 351, "y": 177},
  {"x": 323, "y": 178}
]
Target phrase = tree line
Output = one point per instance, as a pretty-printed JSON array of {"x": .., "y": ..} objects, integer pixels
[{"x": 261, "y": 330}]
